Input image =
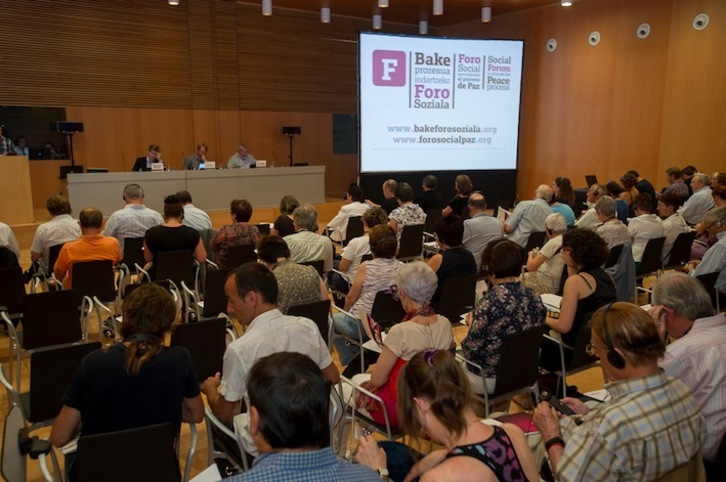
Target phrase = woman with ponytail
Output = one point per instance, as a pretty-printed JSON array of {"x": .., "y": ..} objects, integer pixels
[
  {"x": 435, "y": 399},
  {"x": 135, "y": 383}
]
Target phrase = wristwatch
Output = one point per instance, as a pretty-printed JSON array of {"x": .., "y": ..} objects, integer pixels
[{"x": 383, "y": 473}]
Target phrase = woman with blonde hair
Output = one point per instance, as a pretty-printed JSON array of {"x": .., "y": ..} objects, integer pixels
[{"x": 434, "y": 397}]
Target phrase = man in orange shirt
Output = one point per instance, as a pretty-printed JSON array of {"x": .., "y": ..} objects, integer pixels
[{"x": 91, "y": 246}]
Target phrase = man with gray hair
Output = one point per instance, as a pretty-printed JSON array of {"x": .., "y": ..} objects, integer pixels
[
  {"x": 612, "y": 230},
  {"x": 715, "y": 258},
  {"x": 134, "y": 219},
  {"x": 682, "y": 308},
  {"x": 701, "y": 201},
  {"x": 480, "y": 229},
  {"x": 305, "y": 244},
  {"x": 589, "y": 220},
  {"x": 529, "y": 216},
  {"x": 241, "y": 159},
  {"x": 544, "y": 266}
]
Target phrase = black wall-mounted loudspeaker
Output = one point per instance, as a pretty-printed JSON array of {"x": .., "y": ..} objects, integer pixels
[{"x": 291, "y": 130}]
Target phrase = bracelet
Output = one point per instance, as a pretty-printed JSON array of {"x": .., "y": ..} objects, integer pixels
[{"x": 554, "y": 441}]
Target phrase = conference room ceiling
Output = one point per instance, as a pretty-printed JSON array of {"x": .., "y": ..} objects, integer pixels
[{"x": 412, "y": 11}]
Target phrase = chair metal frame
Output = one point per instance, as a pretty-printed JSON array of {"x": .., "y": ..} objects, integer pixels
[
  {"x": 518, "y": 367},
  {"x": 212, "y": 422},
  {"x": 105, "y": 285},
  {"x": 579, "y": 361},
  {"x": 651, "y": 263},
  {"x": 391, "y": 433}
]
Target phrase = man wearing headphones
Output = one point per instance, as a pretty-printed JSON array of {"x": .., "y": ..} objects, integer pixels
[{"x": 650, "y": 424}]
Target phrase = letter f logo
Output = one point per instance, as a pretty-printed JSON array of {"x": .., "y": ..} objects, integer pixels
[{"x": 389, "y": 68}]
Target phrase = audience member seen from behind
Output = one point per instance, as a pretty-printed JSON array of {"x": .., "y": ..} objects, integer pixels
[
  {"x": 612, "y": 230},
  {"x": 452, "y": 260},
  {"x": 508, "y": 307},
  {"x": 715, "y": 258},
  {"x": 193, "y": 216},
  {"x": 563, "y": 200},
  {"x": 529, "y": 216},
  {"x": 372, "y": 276},
  {"x": 650, "y": 425},
  {"x": 352, "y": 255},
  {"x": 355, "y": 207},
  {"x": 60, "y": 229},
  {"x": 673, "y": 222},
  {"x": 172, "y": 236},
  {"x": 628, "y": 182},
  {"x": 457, "y": 205},
  {"x": 8, "y": 240},
  {"x": 480, "y": 229},
  {"x": 435, "y": 398},
  {"x": 284, "y": 225},
  {"x": 587, "y": 288},
  {"x": 290, "y": 424},
  {"x": 544, "y": 266},
  {"x": 429, "y": 198},
  {"x": 306, "y": 245},
  {"x": 615, "y": 191},
  {"x": 297, "y": 284},
  {"x": 407, "y": 213},
  {"x": 420, "y": 329},
  {"x": 91, "y": 246},
  {"x": 134, "y": 219},
  {"x": 643, "y": 227},
  {"x": 700, "y": 202},
  {"x": 135, "y": 383},
  {"x": 239, "y": 233}
]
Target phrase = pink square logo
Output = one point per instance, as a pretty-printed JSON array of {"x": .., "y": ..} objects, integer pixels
[{"x": 389, "y": 68}]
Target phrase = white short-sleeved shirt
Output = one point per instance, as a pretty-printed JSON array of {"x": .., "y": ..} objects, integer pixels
[
  {"x": 643, "y": 228},
  {"x": 353, "y": 252},
  {"x": 60, "y": 229},
  {"x": 405, "y": 339},
  {"x": 271, "y": 332}
]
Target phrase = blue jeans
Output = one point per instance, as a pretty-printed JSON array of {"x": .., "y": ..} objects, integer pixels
[{"x": 348, "y": 326}]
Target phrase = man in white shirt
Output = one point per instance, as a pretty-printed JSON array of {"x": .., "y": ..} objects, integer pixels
[
  {"x": 644, "y": 226},
  {"x": 701, "y": 201},
  {"x": 480, "y": 229},
  {"x": 305, "y": 244},
  {"x": 60, "y": 229},
  {"x": 682, "y": 308},
  {"x": 252, "y": 297},
  {"x": 589, "y": 219},
  {"x": 8, "y": 239},
  {"x": 673, "y": 222},
  {"x": 193, "y": 216},
  {"x": 529, "y": 216},
  {"x": 355, "y": 207},
  {"x": 134, "y": 219}
]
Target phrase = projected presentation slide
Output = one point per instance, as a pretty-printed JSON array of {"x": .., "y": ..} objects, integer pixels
[{"x": 435, "y": 104}]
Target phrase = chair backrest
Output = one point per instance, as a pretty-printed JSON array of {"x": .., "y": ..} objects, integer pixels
[
  {"x": 95, "y": 278},
  {"x": 207, "y": 236},
  {"x": 580, "y": 358},
  {"x": 386, "y": 310},
  {"x": 681, "y": 250},
  {"x": 317, "y": 311},
  {"x": 51, "y": 318},
  {"x": 222, "y": 443},
  {"x": 8, "y": 258},
  {"x": 613, "y": 255},
  {"x": 12, "y": 289},
  {"x": 177, "y": 266},
  {"x": 708, "y": 281},
  {"x": 164, "y": 283},
  {"x": 53, "y": 253},
  {"x": 432, "y": 219},
  {"x": 134, "y": 252},
  {"x": 457, "y": 296},
  {"x": 318, "y": 264},
  {"x": 206, "y": 341},
  {"x": 535, "y": 240},
  {"x": 239, "y": 255},
  {"x": 51, "y": 371},
  {"x": 354, "y": 228},
  {"x": 519, "y": 361},
  {"x": 264, "y": 228},
  {"x": 651, "y": 260},
  {"x": 144, "y": 453},
  {"x": 215, "y": 301},
  {"x": 411, "y": 243}
]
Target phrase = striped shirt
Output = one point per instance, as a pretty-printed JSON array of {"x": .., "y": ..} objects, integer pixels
[
  {"x": 650, "y": 426},
  {"x": 131, "y": 222},
  {"x": 714, "y": 260},
  {"x": 380, "y": 273},
  {"x": 697, "y": 359}
]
